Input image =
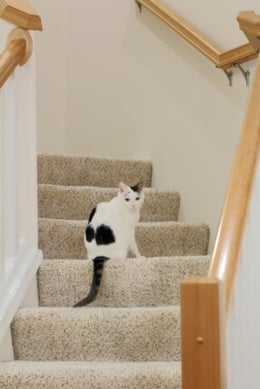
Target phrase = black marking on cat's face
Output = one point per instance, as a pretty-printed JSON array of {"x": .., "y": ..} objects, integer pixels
[
  {"x": 137, "y": 188},
  {"x": 90, "y": 233},
  {"x": 104, "y": 235},
  {"x": 92, "y": 213}
]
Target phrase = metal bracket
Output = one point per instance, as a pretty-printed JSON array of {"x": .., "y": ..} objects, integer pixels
[
  {"x": 245, "y": 73},
  {"x": 229, "y": 75},
  {"x": 139, "y": 5}
]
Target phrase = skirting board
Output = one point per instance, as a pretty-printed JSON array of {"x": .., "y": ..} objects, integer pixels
[{"x": 16, "y": 284}]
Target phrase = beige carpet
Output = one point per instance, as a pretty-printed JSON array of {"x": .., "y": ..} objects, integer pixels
[{"x": 129, "y": 337}]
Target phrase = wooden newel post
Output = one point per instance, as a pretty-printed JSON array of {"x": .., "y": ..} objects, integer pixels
[{"x": 202, "y": 322}]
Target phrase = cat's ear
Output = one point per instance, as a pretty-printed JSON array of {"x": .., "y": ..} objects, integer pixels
[
  {"x": 122, "y": 187},
  {"x": 138, "y": 187}
]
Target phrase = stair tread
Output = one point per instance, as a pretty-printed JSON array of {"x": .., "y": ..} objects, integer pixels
[
  {"x": 64, "y": 238},
  {"x": 81, "y": 170},
  {"x": 97, "y": 333},
  {"x": 126, "y": 282},
  {"x": 90, "y": 375},
  {"x": 76, "y": 202}
]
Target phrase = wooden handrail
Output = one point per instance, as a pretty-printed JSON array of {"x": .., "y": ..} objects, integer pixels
[
  {"x": 21, "y": 13},
  {"x": 10, "y": 58},
  {"x": 230, "y": 233},
  {"x": 222, "y": 59},
  {"x": 17, "y": 52},
  {"x": 197, "y": 347},
  {"x": 204, "y": 317},
  {"x": 249, "y": 23}
]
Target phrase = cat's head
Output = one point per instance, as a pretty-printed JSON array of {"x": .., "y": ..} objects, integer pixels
[{"x": 131, "y": 196}]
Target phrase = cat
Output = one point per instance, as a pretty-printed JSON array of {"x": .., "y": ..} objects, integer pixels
[{"x": 110, "y": 232}]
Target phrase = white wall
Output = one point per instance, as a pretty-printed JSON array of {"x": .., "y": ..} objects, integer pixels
[
  {"x": 51, "y": 65},
  {"x": 113, "y": 82}
]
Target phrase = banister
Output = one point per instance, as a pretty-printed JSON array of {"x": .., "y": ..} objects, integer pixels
[
  {"x": 203, "y": 314},
  {"x": 196, "y": 314},
  {"x": 221, "y": 58},
  {"x": 17, "y": 52},
  {"x": 230, "y": 233},
  {"x": 202, "y": 324}
]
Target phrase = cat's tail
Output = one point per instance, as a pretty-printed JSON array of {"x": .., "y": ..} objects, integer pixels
[{"x": 98, "y": 265}]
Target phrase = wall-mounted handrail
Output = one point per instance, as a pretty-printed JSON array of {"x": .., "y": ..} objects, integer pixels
[
  {"x": 221, "y": 58},
  {"x": 17, "y": 52},
  {"x": 21, "y": 13}
]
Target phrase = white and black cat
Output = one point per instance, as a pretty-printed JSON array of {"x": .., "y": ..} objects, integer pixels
[{"x": 110, "y": 232}]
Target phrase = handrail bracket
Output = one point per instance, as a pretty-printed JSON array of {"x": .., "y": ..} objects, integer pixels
[
  {"x": 139, "y": 5},
  {"x": 245, "y": 73},
  {"x": 229, "y": 75}
]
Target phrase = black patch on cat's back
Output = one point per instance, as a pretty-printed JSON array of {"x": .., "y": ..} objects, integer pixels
[
  {"x": 90, "y": 233},
  {"x": 104, "y": 235}
]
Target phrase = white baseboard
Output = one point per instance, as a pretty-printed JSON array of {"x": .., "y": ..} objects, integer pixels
[{"x": 16, "y": 284}]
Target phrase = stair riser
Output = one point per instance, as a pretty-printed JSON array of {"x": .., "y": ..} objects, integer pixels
[
  {"x": 139, "y": 334},
  {"x": 75, "y": 203},
  {"x": 64, "y": 239},
  {"x": 79, "y": 375},
  {"x": 126, "y": 283},
  {"x": 74, "y": 170}
]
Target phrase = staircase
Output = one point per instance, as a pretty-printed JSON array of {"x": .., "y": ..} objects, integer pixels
[{"x": 129, "y": 337}]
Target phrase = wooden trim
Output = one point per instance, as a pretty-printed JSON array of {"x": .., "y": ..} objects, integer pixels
[
  {"x": 230, "y": 233},
  {"x": 249, "y": 23},
  {"x": 21, "y": 13},
  {"x": 19, "y": 279},
  {"x": 17, "y": 52},
  {"x": 202, "y": 323},
  {"x": 10, "y": 58},
  {"x": 237, "y": 55},
  {"x": 222, "y": 59},
  {"x": 206, "y": 46}
]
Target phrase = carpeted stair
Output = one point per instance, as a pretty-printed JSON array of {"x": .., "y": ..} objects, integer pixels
[{"x": 129, "y": 337}]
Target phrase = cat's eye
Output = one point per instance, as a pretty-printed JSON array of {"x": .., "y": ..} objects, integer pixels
[
  {"x": 137, "y": 198},
  {"x": 127, "y": 199}
]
